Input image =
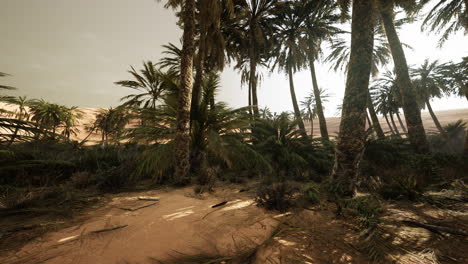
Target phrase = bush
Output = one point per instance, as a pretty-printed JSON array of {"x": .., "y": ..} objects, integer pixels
[
  {"x": 277, "y": 196},
  {"x": 365, "y": 210}
]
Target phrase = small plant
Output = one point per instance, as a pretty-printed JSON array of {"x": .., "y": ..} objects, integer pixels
[
  {"x": 277, "y": 196},
  {"x": 365, "y": 210}
]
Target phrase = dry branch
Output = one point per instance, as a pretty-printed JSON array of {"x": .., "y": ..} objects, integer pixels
[
  {"x": 435, "y": 228},
  {"x": 109, "y": 229},
  {"x": 138, "y": 208}
]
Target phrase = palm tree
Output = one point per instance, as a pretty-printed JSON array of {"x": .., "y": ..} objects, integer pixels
[
  {"x": 211, "y": 43},
  {"x": 148, "y": 81},
  {"x": 111, "y": 122},
  {"x": 456, "y": 77},
  {"x": 449, "y": 16},
  {"x": 320, "y": 20},
  {"x": 416, "y": 133},
  {"x": 47, "y": 115},
  {"x": 22, "y": 114},
  {"x": 282, "y": 144},
  {"x": 71, "y": 117},
  {"x": 290, "y": 55},
  {"x": 310, "y": 106},
  {"x": 182, "y": 136},
  {"x": 339, "y": 57},
  {"x": 373, "y": 116},
  {"x": 429, "y": 83},
  {"x": 256, "y": 17},
  {"x": 383, "y": 96},
  {"x": 351, "y": 138},
  {"x": 171, "y": 62}
]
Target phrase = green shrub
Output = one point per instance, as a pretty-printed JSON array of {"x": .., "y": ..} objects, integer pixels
[
  {"x": 277, "y": 196},
  {"x": 365, "y": 210}
]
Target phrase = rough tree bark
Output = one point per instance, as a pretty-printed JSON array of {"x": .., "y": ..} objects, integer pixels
[
  {"x": 351, "y": 138},
  {"x": 375, "y": 120},
  {"x": 182, "y": 137},
  {"x": 297, "y": 112},
  {"x": 318, "y": 102},
  {"x": 416, "y": 133}
]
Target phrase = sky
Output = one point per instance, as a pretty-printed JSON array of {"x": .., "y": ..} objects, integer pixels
[{"x": 71, "y": 52}]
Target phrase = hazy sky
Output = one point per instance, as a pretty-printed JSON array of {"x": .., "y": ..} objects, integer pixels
[{"x": 71, "y": 52}]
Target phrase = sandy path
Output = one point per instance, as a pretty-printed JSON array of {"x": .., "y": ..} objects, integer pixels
[{"x": 177, "y": 223}]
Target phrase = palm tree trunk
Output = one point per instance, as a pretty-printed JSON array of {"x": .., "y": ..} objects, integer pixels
[
  {"x": 182, "y": 136},
  {"x": 401, "y": 122},
  {"x": 253, "y": 71},
  {"x": 436, "y": 120},
  {"x": 311, "y": 120},
  {"x": 389, "y": 125},
  {"x": 351, "y": 138},
  {"x": 395, "y": 127},
  {"x": 369, "y": 124},
  {"x": 318, "y": 101},
  {"x": 416, "y": 133},
  {"x": 250, "y": 100},
  {"x": 198, "y": 76},
  {"x": 13, "y": 137},
  {"x": 297, "y": 112},
  {"x": 375, "y": 120}
]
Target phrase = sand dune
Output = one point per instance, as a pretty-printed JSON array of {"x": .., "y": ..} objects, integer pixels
[{"x": 445, "y": 117}]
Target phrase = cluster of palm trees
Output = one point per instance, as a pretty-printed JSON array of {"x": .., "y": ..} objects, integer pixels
[
  {"x": 262, "y": 38},
  {"x": 174, "y": 99},
  {"x": 46, "y": 118}
]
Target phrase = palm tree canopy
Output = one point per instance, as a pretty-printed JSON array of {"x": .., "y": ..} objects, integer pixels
[{"x": 149, "y": 81}]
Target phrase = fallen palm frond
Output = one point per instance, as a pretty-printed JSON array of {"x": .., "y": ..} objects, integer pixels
[{"x": 138, "y": 208}]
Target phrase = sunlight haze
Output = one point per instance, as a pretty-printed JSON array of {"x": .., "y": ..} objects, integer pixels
[{"x": 71, "y": 52}]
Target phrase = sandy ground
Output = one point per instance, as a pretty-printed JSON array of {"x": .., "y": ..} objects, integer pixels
[
  {"x": 181, "y": 224},
  {"x": 177, "y": 224}
]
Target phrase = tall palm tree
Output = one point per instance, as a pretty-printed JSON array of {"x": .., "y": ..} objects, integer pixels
[
  {"x": 290, "y": 56},
  {"x": 351, "y": 138},
  {"x": 182, "y": 136},
  {"x": 148, "y": 80},
  {"x": 416, "y": 133},
  {"x": 320, "y": 20},
  {"x": 310, "y": 106},
  {"x": 429, "y": 83},
  {"x": 256, "y": 17},
  {"x": 211, "y": 43},
  {"x": 448, "y": 16}
]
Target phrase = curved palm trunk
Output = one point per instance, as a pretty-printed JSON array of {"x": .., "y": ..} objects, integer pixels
[
  {"x": 375, "y": 120},
  {"x": 401, "y": 123},
  {"x": 369, "y": 124},
  {"x": 395, "y": 127},
  {"x": 253, "y": 71},
  {"x": 351, "y": 138},
  {"x": 389, "y": 125},
  {"x": 297, "y": 112},
  {"x": 318, "y": 101},
  {"x": 199, "y": 68},
  {"x": 182, "y": 136},
  {"x": 311, "y": 120},
  {"x": 13, "y": 137},
  {"x": 436, "y": 120},
  {"x": 416, "y": 133}
]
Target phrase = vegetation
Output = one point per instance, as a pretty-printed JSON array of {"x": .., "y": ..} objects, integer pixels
[{"x": 173, "y": 130}]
